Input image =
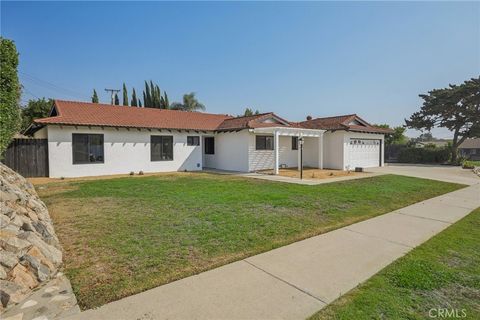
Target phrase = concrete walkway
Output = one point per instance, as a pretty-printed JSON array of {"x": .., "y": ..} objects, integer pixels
[
  {"x": 295, "y": 281},
  {"x": 435, "y": 172}
]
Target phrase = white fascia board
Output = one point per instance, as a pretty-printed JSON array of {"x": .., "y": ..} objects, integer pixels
[{"x": 289, "y": 131}]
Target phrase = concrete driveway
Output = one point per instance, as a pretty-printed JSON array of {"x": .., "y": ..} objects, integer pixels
[{"x": 434, "y": 172}]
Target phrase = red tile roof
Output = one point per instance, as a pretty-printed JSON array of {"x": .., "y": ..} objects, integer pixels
[
  {"x": 343, "y": 123},
  {"x": 95, "y": 114},
  {"x": 254, "y": 121}
]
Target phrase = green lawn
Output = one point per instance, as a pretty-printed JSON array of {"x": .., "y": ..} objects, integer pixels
[
  {"x": 125, "y": 235},
  {"x": 443, "y": 273}
]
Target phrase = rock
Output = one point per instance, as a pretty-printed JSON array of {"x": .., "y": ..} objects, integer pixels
[
  {"x": 30, "y": 253},
  {"x": 32, "y": 215},
  {"x": 16, "y": 220},
  {"x": 3, "y": 273},
  {"x": 49, "y": 251},
  {"x": 15, "y": 245},
  {"x": 8, "y": 196},
  {"x": 21, "y": 276},
  {"x": 8, "y": 259},
  {"x": 4, "y": 221},
  {"x": 36, "y": 253},
  {"x": 41, "y": 228},
  {"x": 41, "y": 271},
  {"x": 11, "y": 292}
]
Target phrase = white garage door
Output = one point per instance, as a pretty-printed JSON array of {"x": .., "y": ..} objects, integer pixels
[{"x": 363, "y": 153}]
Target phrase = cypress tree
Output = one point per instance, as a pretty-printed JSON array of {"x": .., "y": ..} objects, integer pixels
[
  {"x": 147, "y": 97},
  {"x": 117, "y": 100},
  {"x": 139, "y": 103},
  {"x": 125, "y": 95},
  {"x": 134, "y": 98},
  {"x": 95, "y": 96}
]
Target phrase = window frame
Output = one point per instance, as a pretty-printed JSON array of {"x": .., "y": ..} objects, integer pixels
[
  {"x": 294, "y": 143},
  {"x": 153, "y": 157},
  {"x": 88, "y": 135},
  {"x": 193, "y": 138},
  {"x": 208, "y": 145},
  {"x": 259, "y": 145}
]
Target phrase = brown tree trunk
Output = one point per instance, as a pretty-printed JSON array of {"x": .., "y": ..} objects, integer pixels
[{"x": 455, "y": 144}]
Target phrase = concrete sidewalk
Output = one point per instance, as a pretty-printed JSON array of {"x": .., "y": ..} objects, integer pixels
[{"x": 294, "y": 281}]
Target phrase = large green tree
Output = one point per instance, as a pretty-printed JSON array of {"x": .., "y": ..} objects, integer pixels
[
  {"x": 10, "y": 91},
  {"x": 397, "y": 137},
  {"x": 35, "y": 109},
  {"x": 125, "y": 95},
  {"x": 190, "y": 103},
  {"x": 456, "y": 108},
  {"x": 95, "y": 96}
]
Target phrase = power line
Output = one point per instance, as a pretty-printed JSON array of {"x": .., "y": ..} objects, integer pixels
[{"x": 52, "y": 86}]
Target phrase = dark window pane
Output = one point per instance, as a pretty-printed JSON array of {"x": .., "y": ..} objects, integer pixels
[
  {"x": 264, "y": 142},
  {"x": 294, "y": 143},
  {"x": 87, "y": 148},
  {"x": 209, "y": 145},
  {"x": 161, "y": 148},
  {"x": 193, "y": 140}
]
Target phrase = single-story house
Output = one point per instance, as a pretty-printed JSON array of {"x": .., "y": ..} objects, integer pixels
[
  {"x": 89, "y": 139},
  {"x": 470, "y": 148}
]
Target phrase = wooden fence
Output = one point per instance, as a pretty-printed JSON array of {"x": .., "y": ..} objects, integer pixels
[{"x": 29, "y": 157}]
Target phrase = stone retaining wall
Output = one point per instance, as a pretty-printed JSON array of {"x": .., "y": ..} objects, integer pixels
[{"x": 30, "y": 253}]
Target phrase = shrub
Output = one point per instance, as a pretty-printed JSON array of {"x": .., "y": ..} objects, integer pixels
[
  {"x": 9, "y": 93},
  {"x": 424, "y": 155},
  {"x": 469, "y": 164}
]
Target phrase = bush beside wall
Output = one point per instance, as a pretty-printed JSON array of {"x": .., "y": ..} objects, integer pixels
[{"x": 424, "y": 155}]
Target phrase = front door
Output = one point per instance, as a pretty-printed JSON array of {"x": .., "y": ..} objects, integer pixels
[{"x": 209, "y": 152}]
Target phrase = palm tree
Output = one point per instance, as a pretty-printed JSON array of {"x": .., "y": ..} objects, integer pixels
[{"x": 190, "y": 103}]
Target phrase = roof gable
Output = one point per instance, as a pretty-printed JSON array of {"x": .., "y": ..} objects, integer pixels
[{"x": 349, "y": 122}]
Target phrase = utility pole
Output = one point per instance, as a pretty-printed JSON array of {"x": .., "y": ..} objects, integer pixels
[{"x": 112, "y": 93}]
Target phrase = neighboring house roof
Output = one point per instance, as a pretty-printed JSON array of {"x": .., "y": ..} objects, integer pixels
[
  {"x": 349, "y": 122},
  {"x": 471, "y": 143},
  {"x": 95, "y": 114}
]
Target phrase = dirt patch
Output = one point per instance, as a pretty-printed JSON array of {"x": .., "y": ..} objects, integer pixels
[{"x": 313, "y": 173}]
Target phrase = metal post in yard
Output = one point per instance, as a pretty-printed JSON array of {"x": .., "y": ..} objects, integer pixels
[{"x": 300, "y": 141}]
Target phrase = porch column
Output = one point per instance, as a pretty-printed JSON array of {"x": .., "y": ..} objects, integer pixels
[
  {"x": 299, "y": 150},
  {"x": 320, "y": 151},
  {"x": 275, "y": 148}
]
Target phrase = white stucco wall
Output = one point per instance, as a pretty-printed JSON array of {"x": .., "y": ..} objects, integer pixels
[
  {"x": 231, "y": 152},
  {"x": 335, "y": 155},
  {"x": 333, "y": 150},
  {"x": 124, "y": 151}
]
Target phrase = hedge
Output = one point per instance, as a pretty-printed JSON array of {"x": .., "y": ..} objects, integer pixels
[{"x": 424, "y": 155}]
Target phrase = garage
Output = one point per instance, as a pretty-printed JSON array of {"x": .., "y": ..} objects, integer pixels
[{"x": 365, "y": 153}]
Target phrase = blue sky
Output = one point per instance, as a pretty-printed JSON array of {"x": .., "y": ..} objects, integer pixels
[{"x": 293, "y": 58}]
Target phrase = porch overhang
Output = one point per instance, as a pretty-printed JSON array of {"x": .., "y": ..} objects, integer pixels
[{"x": 294, "y": 132}]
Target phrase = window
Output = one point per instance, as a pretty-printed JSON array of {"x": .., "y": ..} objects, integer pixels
[
  {"x": 264, "y": 142},
  {"x": 161, "y": 148},
  {"x": 209, "y": 145},
  {"x": 87, "y": 148},
  {"x": 294, "y": 143},
  {"x": 193, "y": 140}
]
